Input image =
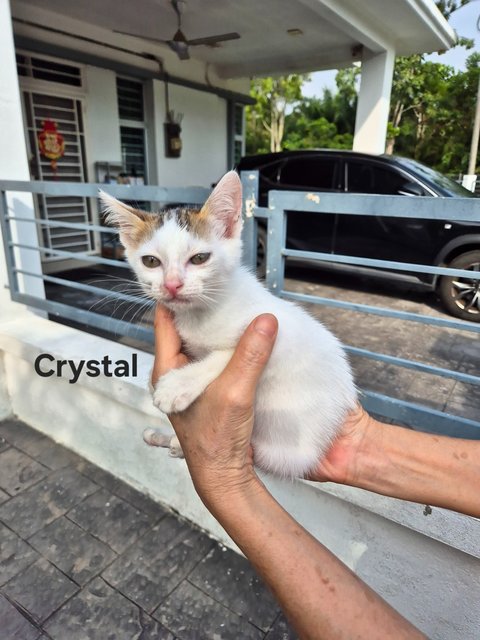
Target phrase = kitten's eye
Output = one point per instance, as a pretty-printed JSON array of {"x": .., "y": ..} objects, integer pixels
[
  {"x": 200, "y": 258},
  {"x": 151, "y": 262}
]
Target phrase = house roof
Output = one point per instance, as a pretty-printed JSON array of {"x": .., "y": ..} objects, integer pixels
[{"x": 326, "y": 33}]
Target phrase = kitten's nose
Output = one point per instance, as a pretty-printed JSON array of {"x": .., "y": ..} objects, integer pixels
[{"x": 173, "y": 287}]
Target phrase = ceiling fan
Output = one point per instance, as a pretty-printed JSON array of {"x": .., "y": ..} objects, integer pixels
[{"x": 179, "y": 42}]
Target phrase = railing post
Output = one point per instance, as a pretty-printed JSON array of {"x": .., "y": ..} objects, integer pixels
[
  {"x": 277, "y": 231},
  {"x": 249, "y": 232}
]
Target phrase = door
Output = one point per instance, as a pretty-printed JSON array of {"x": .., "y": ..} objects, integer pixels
[
  {"x": 381, "y": 237},
  {"x": 305, "y": 230},
  {"x": 66, "y": 114}
]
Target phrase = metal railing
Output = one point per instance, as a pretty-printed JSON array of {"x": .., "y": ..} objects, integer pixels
[
  {"x": 275, "y": 218},
  {"x": 449, "y": 209},
  {"x": 12, "y": 241}
]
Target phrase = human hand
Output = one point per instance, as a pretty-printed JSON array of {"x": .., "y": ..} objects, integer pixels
[
  {"x": 215, "y": 430},
  {"x": 343, "y": 462}
]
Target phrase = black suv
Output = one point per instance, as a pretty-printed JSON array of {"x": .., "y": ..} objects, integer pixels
[{"x": 430, "y": 242}]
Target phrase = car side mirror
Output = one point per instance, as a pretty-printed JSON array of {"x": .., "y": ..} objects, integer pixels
[{"x": 411, "y": 189}]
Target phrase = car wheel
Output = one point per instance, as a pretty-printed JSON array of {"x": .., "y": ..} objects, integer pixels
[
  {"x": 261, "y": 252},
  {"x": 461, "y": 296}
]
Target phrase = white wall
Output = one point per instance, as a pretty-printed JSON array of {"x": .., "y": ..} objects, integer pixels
[
  {"x": 14, "y": 165},
  {"x": 102, "y": 129},
  {"x": 204, "y": 137},
  {"x": 427, "y": 567}
]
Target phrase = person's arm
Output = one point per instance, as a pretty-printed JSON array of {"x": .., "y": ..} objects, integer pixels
[
  {"x": 321, "y": 597},
  {"x": 402, "y": 463}
]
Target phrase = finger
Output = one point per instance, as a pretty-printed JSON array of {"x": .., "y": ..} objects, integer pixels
[
  {"x": 167, "y": 342},
  {"x": 242, "y": 373}
]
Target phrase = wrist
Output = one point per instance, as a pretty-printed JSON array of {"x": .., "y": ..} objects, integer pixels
[{"x": 221, "y": 492}]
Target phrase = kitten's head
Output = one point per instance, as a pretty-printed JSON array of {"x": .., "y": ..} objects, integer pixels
[{"x": 183, "y": 257}]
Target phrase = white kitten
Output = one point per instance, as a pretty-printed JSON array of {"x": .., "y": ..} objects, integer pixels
[{"x": 189, "y": 260}]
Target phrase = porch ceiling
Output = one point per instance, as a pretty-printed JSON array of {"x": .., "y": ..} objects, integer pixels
[{"x": 330, "y": 29}]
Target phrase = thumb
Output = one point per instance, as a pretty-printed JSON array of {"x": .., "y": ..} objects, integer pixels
[{"x": 254, "y": 348}]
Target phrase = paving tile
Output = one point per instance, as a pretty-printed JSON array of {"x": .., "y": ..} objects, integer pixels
[
  {"x": 111, "y": 519},
  {"x": 158, "y": 562},
  {"x": 230, "y": 579},
  {"x": 192, "y": 615},
  {"x": 3, "y": 496},
  {"x": 36, "y": 445},
  {"x": 41, "y": 589},
  {"x": 281, "y": 630},
  {"x": 34, "y": 508},
  {"x": 15, "y": 626},
  {"x": 98, "y": 612},
  {"x": 120, "y": 488},
  {"x": 75, "y": 552},
  {"x": 18, "y": 471},
  {"x": 23, "y": 437},
  {"x": 464, "y": 401},
  {"x": 15, "y": 554}
]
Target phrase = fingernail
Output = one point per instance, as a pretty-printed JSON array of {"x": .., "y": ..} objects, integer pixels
[{"x": 266, "y": 324}]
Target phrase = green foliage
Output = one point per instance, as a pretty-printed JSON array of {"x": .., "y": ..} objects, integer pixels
[{"x": 431, "y": 113}]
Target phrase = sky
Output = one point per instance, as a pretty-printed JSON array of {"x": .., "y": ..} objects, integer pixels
[{"x": 464, "y": 21}]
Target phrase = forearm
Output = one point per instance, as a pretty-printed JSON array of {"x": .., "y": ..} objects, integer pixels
[
  {"x": 420, "y": 467},
  {"x": 321, "y": 597}
]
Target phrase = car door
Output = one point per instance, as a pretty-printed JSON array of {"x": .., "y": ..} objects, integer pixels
[
  {"x": 309, "y": 231},
  {"x": 382, "y": 237}
]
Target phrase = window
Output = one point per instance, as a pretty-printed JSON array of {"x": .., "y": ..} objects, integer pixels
[
  {"x": 238, "y": 133},
  {"x": 311, "y": 172},
  {"x": 44, "y": 69},
  {"x": 372, "y": 178},
  {"x": 132, "y": 127}
]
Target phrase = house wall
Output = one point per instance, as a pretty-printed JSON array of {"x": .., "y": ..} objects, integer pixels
[
  {"x": 204, "y": 137},
  {"x": 102, "y": 129}
]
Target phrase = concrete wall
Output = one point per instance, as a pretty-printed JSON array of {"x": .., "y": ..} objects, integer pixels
[
  {"x": 428, "y": 567},
  {"x": 204, "y": 137}
]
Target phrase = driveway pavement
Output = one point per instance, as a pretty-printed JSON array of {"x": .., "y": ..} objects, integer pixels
[{"x": 447, "y": 348}]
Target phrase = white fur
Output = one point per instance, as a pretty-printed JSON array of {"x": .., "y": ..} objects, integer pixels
[{"x": 306, "y": 388}]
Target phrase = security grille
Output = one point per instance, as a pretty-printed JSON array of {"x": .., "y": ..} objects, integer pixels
[{"x": 67, "y": 114}]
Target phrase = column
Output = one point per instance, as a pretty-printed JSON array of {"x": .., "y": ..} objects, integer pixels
[{"x": 374, "y": 102}]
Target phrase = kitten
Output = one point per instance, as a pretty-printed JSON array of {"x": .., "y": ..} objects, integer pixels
[{"x": 190, "y": 261}]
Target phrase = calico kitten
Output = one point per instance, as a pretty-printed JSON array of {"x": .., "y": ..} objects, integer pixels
[{"x": 190, "y": 261}]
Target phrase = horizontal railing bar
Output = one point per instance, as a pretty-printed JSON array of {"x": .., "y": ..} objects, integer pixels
[
  {"x": 192, "y": 195},
  {"x": 434, "y": 208},
  {"x": 383, "y": 264},
  {"x": 420, "y": 417},
  {"x": 90, "y": 318},
  {"x": 82, "y": 226},
  {"x": 382, "y": 311},
  {"x": 85, "y": 257},
  {"x": 84, "y": 287},
  {"x": 415, "y": 365}
]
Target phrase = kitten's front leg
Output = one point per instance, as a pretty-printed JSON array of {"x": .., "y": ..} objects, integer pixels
[{"x": 177, "y": 389}]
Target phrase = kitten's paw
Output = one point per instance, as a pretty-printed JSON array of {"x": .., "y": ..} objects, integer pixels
[
  {"x": 173, "y": 393},
  {"x": 154, "y": 438}
]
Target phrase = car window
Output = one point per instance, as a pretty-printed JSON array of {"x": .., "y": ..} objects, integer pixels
[
  {"x": 371, "y": 178},
  {"x": 310, "y": 173}
]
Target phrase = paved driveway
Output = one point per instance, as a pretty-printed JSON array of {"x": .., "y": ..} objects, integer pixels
[{"x": 448, "y": 348}]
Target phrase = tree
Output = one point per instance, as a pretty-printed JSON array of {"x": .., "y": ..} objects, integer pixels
[{"x": 266, "y": 119}]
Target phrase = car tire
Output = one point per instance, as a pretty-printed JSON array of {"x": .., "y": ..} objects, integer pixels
[
  {"x": 461, "y": 296},
  {"x": 261, "y": 252}
]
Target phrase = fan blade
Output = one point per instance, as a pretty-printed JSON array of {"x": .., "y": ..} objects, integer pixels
[{"x": 214, "y": 39}]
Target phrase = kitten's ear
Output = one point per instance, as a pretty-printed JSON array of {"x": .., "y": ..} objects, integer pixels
[
  {"x": 129, "y": 221},
  {"x": 224, "y": 206}
]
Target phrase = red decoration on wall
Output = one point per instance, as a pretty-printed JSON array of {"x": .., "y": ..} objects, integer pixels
[{"x": 51, "y": 143}]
